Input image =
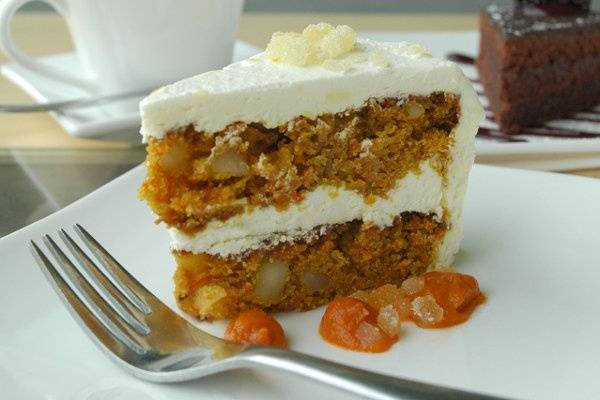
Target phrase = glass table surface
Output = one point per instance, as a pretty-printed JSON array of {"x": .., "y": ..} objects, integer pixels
[{"x": 36, "y": 183}]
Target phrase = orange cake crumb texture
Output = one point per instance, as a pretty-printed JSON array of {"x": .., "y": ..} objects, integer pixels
[
  {"x": 256, "y": 327},
  {"x": 195, "y": 177},
  {"x": 370, "y": 320},
  {"x": 306, "y": 274}
]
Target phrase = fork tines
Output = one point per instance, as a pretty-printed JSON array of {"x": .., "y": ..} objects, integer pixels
[{"x": 102, "y": 298}]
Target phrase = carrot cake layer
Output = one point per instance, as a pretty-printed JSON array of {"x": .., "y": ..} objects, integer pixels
[
  {"x": 323, "y": 141},
  {"x": 194, "y": 178},
  {"x": 331, "y": 260}
]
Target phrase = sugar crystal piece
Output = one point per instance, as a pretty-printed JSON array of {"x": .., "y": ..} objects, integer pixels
[
  {"x": 416, "y": 50},
  {"x": 427, "y": 310},
  {"x": 403, "y": 307},
  {"x": 315, "y": 45},
  {"x": 413, "y": 285},
  {"x": 292, "y": 48},
  {"x": 367, "y": 334},
  {"x": 314, "y": 33},
  {"x": 389, "y": 320},
  {"x": 384, "y": 295},
  {"x": 339, "y": 41}
]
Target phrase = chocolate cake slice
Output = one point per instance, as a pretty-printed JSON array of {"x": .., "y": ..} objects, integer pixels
[{"x": 539, "y": 61}]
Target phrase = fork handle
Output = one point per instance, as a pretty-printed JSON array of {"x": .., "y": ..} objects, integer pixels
[
  {"x": 72, "y": 104},
  {"x": 354, "y": 380}
]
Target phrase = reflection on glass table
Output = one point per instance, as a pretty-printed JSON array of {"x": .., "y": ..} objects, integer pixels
[{"x": 36, "y": 183}]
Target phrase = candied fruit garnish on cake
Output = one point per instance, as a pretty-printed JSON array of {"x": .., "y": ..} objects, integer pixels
[
  {"x": 256, "y": 327},
  {"x": 317, "y": 43},
  {"x": 353, "y": 324},
  {"x": 426, "y": 312},
  {"x": 388, "y": 319},
  {"x": 445, "y": 299},
  {"x": 436, "y": 299}
]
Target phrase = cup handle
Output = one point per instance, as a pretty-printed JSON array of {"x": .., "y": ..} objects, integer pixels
[{"x": 8, "y": 8}]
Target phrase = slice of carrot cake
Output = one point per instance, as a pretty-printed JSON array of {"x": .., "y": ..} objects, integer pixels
[{"x": 325, "y": 165}]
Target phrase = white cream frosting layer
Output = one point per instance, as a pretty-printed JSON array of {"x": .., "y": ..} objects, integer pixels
[
  {"x": 262, "y": 91},
  {"x": 326, "y": 205}
]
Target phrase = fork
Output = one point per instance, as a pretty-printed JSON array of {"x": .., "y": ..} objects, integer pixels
[
  {"x": 149, "y": 340},
  {"x": 82, "y": 102}
]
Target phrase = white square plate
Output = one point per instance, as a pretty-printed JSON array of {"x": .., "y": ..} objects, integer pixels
[{"x": 531, "y": 239}]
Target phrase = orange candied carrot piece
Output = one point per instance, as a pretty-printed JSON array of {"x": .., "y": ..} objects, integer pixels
[
  {"x": 446, "y": 299},
  {"x": 256, "y": 327},
  {"x": 352, "y": 324}
]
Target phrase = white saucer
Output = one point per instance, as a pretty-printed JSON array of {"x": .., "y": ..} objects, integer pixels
[{"x": 120, "y": 118}]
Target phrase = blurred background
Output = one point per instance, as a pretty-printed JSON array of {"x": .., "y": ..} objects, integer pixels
[{"x": 446, "y": 6}]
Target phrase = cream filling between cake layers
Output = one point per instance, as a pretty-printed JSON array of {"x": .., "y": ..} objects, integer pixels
[{"x": 326, "y": 205}]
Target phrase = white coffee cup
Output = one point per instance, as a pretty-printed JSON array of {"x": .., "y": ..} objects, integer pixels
[{"x": 127, "y": 45}]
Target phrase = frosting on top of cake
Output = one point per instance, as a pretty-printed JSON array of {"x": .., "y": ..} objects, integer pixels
[{"x": 261, "y": 90}]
